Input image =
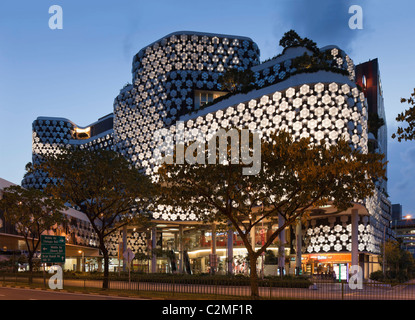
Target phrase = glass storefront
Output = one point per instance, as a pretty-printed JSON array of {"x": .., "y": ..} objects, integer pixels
[
  {"x": 322, "y": 266},
  {"x": 197, "y": 248},
  {"x": 334, "y": 266}
]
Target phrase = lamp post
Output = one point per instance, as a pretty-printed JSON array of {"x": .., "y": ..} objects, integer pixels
[{"x": 83, "y": 259}]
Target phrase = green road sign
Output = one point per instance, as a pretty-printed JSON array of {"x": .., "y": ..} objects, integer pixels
[{"x": 52, "y": 249}]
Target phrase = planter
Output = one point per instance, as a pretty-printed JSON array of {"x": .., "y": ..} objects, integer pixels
[{"x": 270, "y": 270}]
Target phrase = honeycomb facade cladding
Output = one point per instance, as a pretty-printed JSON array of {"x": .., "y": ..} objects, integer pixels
[
  {"x": 169, "y": 75},
  {"x": 334, "y": 234},
  {"x": 165, "y": 77},
  {"x": 50, "y": 135}
]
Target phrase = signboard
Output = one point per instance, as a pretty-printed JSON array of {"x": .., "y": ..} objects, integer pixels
[
  {"x": 342, "y": 271},
  {"x": 327, "y": 258},
  {"x": 128, "y": 255},
  {"x": 52, "y": 249}
]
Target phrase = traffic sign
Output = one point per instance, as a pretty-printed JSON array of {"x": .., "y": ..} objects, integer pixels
[
  {"x": 52, "y": 249},
  {"x": 129, "y": 255}
]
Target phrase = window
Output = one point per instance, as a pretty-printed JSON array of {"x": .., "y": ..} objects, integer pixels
[
  {"x": 82, "y": 134},
  {"x": 364, "y": 82},
  {"x": 205, "y": 98}
]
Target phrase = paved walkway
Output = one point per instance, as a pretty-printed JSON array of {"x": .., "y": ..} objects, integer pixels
[
  {"x": 9, "y": 293},
  {"x": 321, "y": 290}
]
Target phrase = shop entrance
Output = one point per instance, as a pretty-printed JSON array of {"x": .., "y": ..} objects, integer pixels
[
  {"x": 325, "y": 266},
  {"x": 325, "y": 271}
]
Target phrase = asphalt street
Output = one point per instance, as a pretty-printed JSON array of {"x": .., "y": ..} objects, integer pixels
[{"x": 7, "y": 293}]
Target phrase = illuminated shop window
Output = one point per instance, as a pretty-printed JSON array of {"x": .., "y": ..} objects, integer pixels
[
  {"x": 204, "y": 97},
  {"x": 82, "y": 134}
]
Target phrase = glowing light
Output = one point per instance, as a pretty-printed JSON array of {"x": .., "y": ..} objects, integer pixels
[{"x": 82, "y": 133}]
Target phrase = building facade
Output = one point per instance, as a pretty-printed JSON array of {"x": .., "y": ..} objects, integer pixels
[
  {"x": 404, "y": 230},
  {"x": 403, "y": 226},
  {"x": 175, "y": 86}
]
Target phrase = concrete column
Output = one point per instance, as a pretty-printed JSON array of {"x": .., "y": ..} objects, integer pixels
[
  {"x": 298, "y": 234},
  {"x": 213, "y": 260},
  {"x": 355, "y": 237},
  {"x": 230, "y": 252},
  {"x": 153, "y": 247},
  {"x": 124, "y": 247},
  {"x": 181, "y": 256},
  {"x": 281, "y": 248}
]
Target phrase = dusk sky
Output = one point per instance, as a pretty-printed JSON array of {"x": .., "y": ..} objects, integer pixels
[{"x": 76, "y": 72}]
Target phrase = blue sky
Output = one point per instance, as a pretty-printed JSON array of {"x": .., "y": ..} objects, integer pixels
[{"x": 77, "y": 72}]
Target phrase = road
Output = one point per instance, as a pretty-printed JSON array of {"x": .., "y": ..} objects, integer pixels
[{"x": 7, "y": 293}]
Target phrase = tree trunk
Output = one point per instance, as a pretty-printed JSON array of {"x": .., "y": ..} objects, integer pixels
[
  {"x": 253, "y": 276},
  {"x": 105, "y": 282},
  {"x": 30, "y": 262}
]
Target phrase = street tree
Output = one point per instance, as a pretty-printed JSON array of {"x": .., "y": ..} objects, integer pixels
[
  {"x": 399, "y": 263},
  {"x": 234, "y": 80},
  {"x": 32, "y": 213},
  {"x": 407, "y": 117},
  {"x": 103, "y": 185},
  {"x": 296, "y": 177},
  {"x": 291, "y": 39}
]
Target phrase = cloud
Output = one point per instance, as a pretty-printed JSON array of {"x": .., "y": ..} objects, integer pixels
[{"x": 324, "y": 21}]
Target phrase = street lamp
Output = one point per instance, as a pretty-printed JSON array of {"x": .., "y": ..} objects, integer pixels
[{"x": 83, "y": 259}]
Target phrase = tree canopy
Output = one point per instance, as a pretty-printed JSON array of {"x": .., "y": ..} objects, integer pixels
[
  {"x": 296, "y": 177},
  {"x": 407, "y": 117},
  {"x": 103, "y": 185},
  {"x": 292, "y": 39},
  {"x": 234, "y": 80},
  {"x": 399, "y": 263},
  {"x": 32, "y": 213}
]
